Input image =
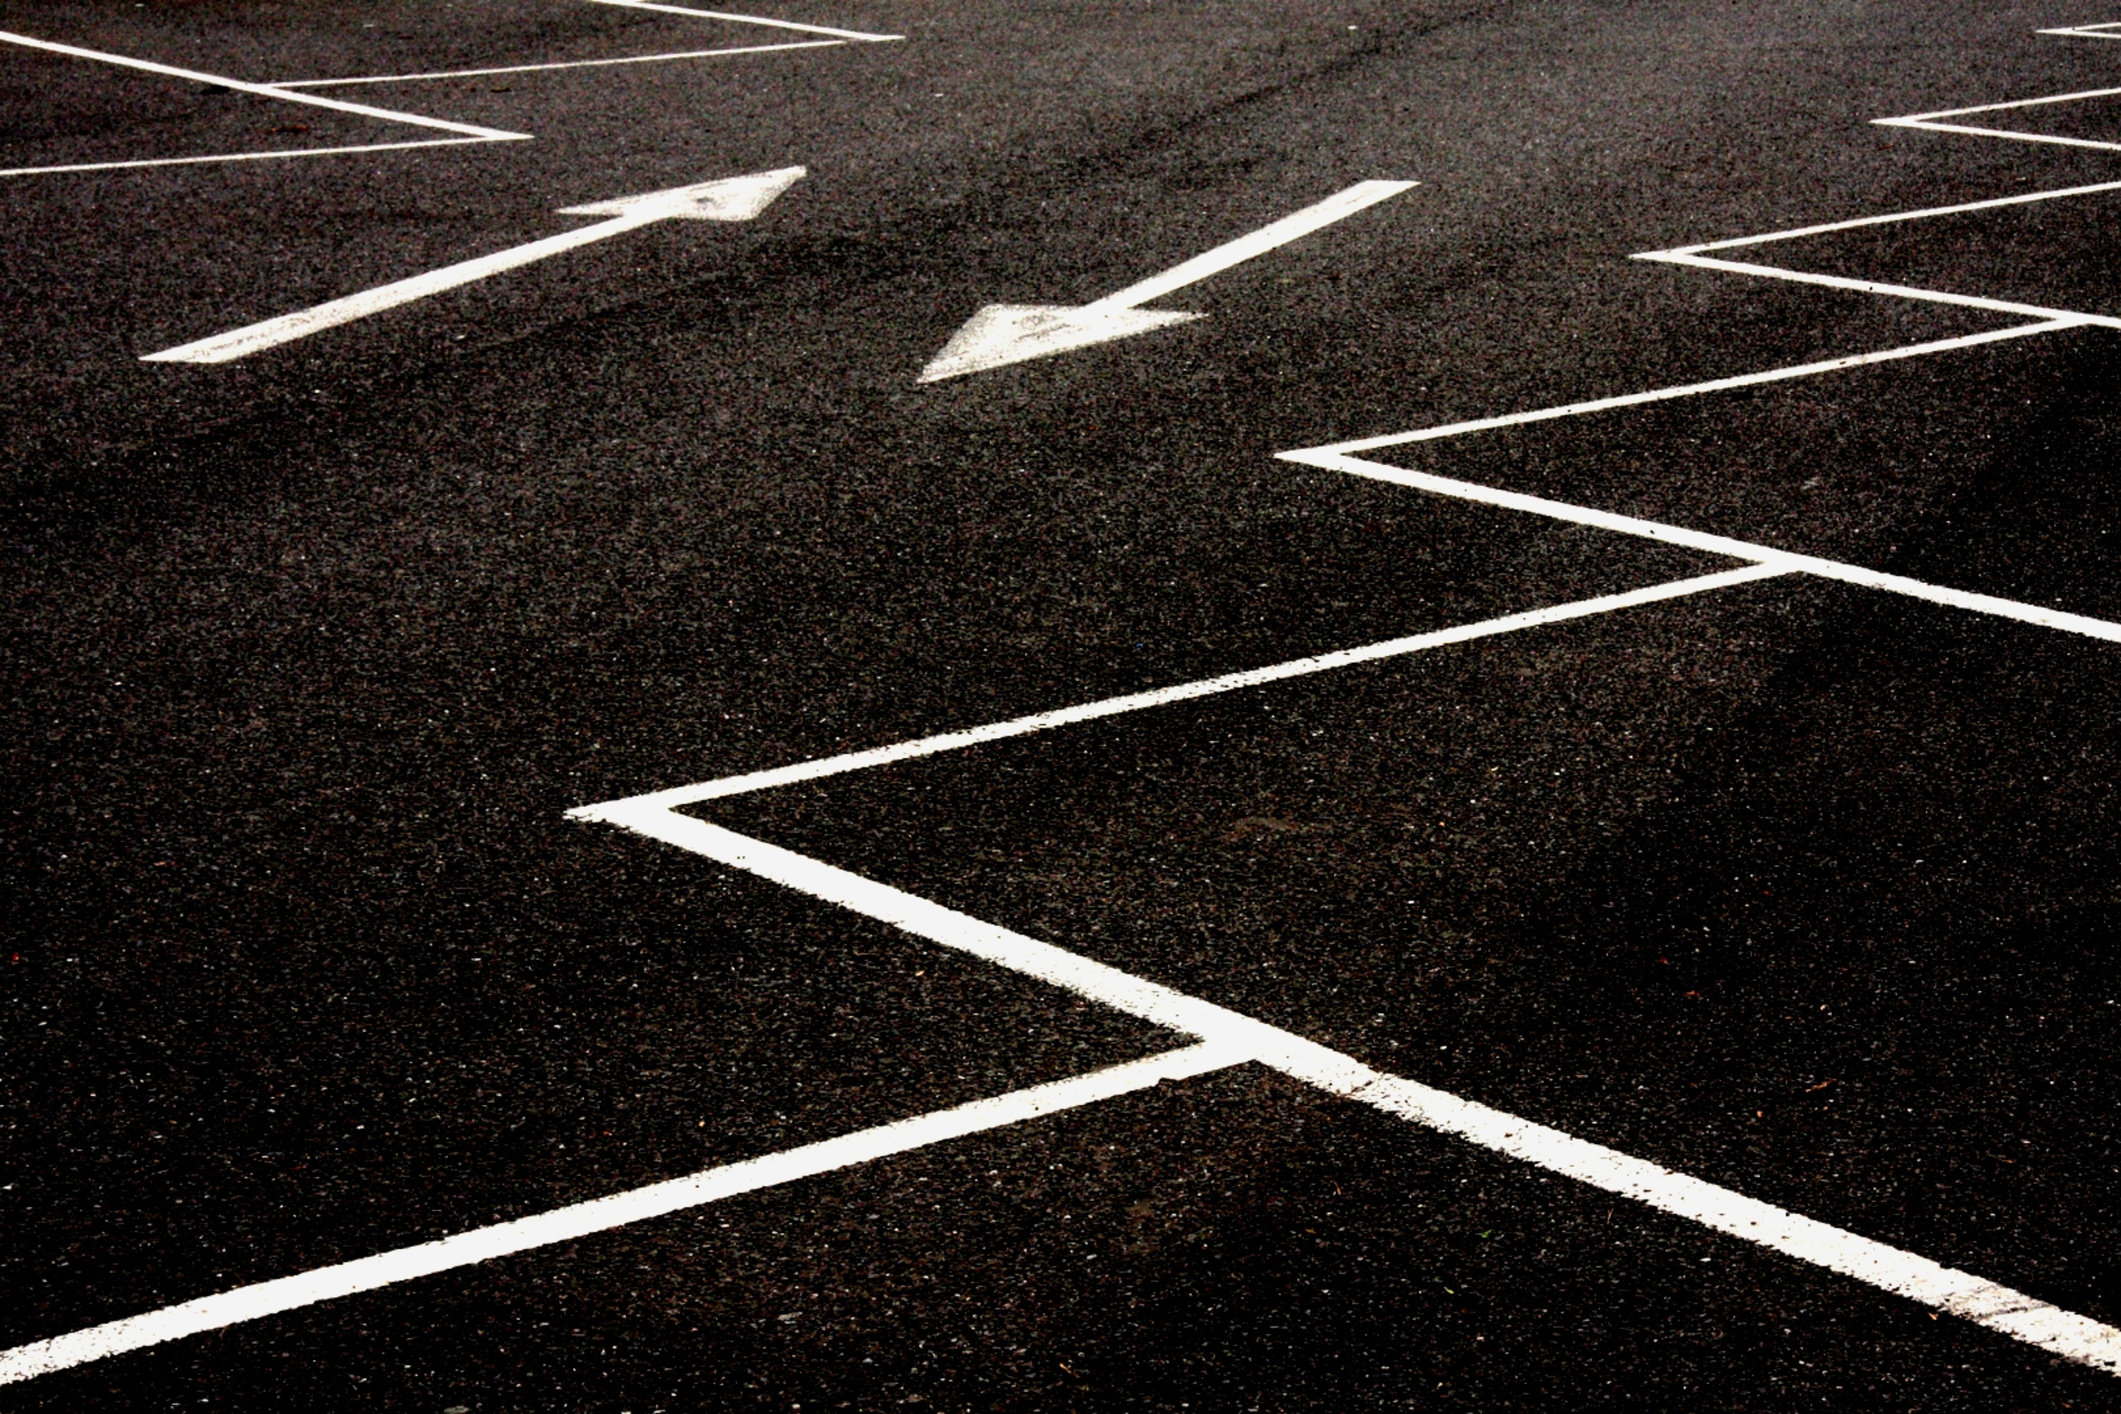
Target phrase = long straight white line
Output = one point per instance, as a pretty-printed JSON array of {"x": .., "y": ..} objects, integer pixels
[
  {"x": 266, "y": 90},
  {"x": 2101, "y": 31},
  {"x": 566, "y": 64},
  {"x": 242, "y": 156},
  {"x": 269, "y": 1298},
  {"x": 1879, "y": 287},
  {"x": 1986, "y": 1303},
  {"x": 1858, "y": 222},
  {"x": 1714, "y": 385},
  {"x": 1337, "y": 207},
  {"x": 1161, "y": 696},
  {"x": 855, "y": 34},
  {"x": 1331, "y": 459}
]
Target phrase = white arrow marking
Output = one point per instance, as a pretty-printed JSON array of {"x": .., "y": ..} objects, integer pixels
[
  {"x": 1010, "y": 333},
  {"x": 731, "y": 199}
]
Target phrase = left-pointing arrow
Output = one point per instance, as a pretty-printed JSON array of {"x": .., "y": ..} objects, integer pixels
[
  {"x": 731, "y": 199},
  {"x": 1002, "y": 334}
]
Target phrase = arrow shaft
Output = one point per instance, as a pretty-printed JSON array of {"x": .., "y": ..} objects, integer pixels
[
  {"x": 1337, "y": 207},
  {"x": 288, "y": 327}
]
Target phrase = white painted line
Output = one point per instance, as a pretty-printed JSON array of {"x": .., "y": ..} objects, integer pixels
[
  {"x": 1001, "y": 334},
  {"x": 1829, "y": 227},
  {"x": 2001, "y": 132},
  {"x": 1162, "y": 696},
  {"x": 568, "y": 64},
  {"x": 1714, "y": 385},
  {"x": 2099, "y": 31},
  {"x": 1992, "y": 1305},
  {"x": 269, "y": 1298},
  {"x": 1880, "y": 287},
  {"x": 1986, "y": 1303},
  {"x": 243, "y": 156},
  {"x": 1329, "y": 459},
  {"x": 1912, "y": 119},
  {"x": 731, "y": 199},
  {"x": 2012, "y": 133},
  {"x": 1337, "y": 207},
  {"x": 854, "y": 34},
  {"x": 265, "y": 90}
]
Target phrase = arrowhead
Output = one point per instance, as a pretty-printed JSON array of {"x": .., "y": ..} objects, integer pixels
[
  {"x": 1010, "y": 333},
  {"x": 730, "y": 199}
]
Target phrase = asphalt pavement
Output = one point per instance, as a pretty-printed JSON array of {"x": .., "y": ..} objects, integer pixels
[{"x": 552, "y": 758}]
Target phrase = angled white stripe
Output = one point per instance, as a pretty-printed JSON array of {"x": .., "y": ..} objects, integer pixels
[
  {"x": 1764, "y": 555},
  {"x": 567, "y": 64},
  {"x": 1157, "y": 697},
  {"x": 246, "y": 156},
  {"x": 751, "y": 20},
  {"x": 263, "y": 90},
  {"x": 1879, "y": 287},
  {"x": 1689, "y": 390},
  {"x": 250, "y": 1303},
  {"x": 2049, "y": 138},
  {"x": 2078, "y": 97},
  {"x": 1986, "y": 1303},
  {"x": 1990, "y": 204}
]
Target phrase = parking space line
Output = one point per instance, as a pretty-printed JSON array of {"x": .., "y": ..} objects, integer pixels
[
  {"x": 1714, "y": 385},
  {"x": 1880, "y": 287},
  {"x": 239, "y": 156},
  {"x": 1927, "y": 122},
  {"x": 2111, "y": 30},
  {"x": 1986, "y": 1303},
  {"x": 1330, "y": 458},
  {"x": 861, "y": 36},
  {"x": 269, "y": 1298},
  {"x": 567, "y": 64},
  {"x": 1925, "y": 213},
  {"x": 1179, "y": 692},
  {"x": 266, "y": 90}
]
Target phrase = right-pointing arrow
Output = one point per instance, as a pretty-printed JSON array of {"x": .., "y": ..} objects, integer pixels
[
  {"x": 1011, "y": 333},
  {"x": 729, "y": 199}
]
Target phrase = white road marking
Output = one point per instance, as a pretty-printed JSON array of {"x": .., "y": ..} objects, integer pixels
[
  {"x": 567, "y": 64},
  {"x": 1714, "y": 385},
  {"x": 1340, "y": 456},
  {"x": 730, "y": 199},
  {"x": 1880, "y": 287},
  {"x": 1928, "y": 121},
  {"x": 1331, "y": 458},
  {"x": 267, "y": 156},
  {"x": 1986, "y": 1303},
  {"x": 1926, "y": 213},
  {"x": 2014, "y": 134},
  {"x": 1237, "y": 1039},
  {"x": 269, "y": 1298},
  {"x": 2098, "y": 31},
  {"x": 853, "y": 34},
  {"x": 1002, "y": 334},
  {"x": 266, "y": 90},
  {"x": 1161, "y": 696}
]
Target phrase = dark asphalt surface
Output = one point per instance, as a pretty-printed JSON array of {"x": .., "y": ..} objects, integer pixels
[{"x": 1801, "y": 889}]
